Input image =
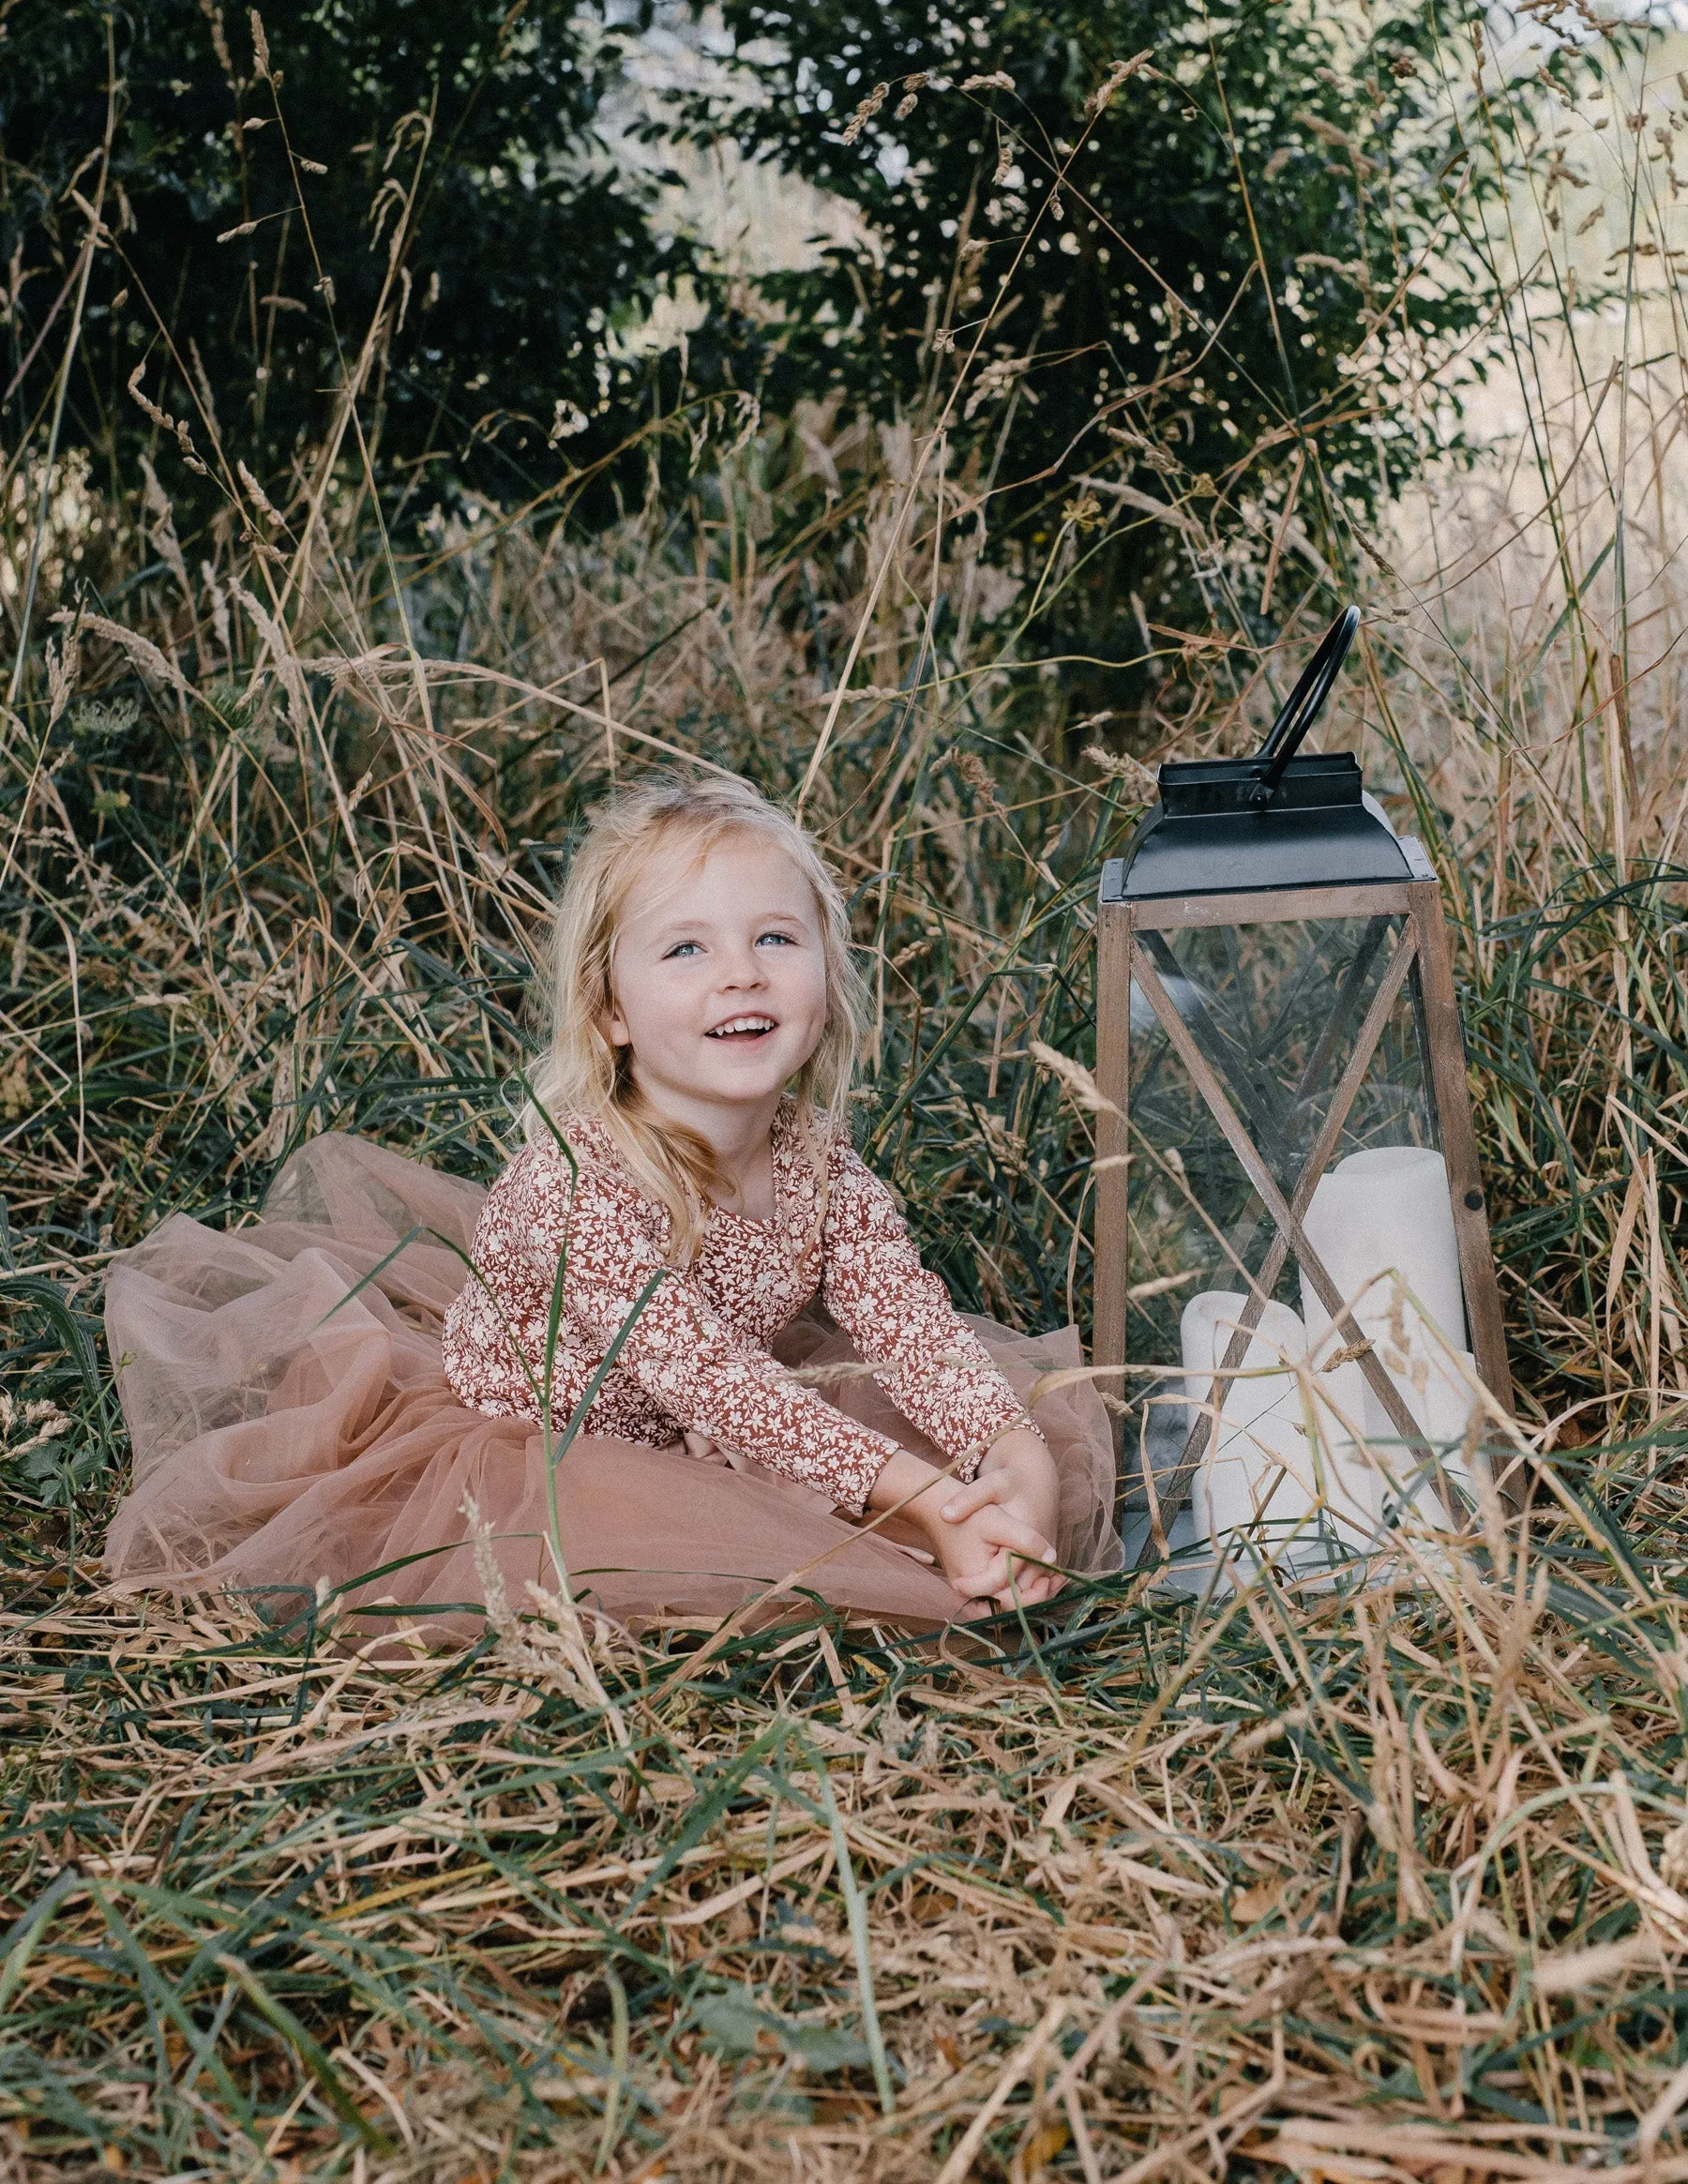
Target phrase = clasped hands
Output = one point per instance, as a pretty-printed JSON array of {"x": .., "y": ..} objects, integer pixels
[{"x": 990, "y": 1536}]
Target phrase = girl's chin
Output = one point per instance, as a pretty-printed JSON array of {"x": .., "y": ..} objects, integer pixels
[
  {"x": 744, "y": 1084},
  {"x": 764, "y": 1065}
]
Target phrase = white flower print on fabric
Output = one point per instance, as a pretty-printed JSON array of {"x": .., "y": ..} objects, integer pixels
[{"x": 697, "y": 1359}]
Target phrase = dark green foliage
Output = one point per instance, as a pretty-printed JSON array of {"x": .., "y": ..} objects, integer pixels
[
  {"x": 1180, "y": 289},
  {"x": 526, "y": 245},
  {"x": 1223, "y": 238}
]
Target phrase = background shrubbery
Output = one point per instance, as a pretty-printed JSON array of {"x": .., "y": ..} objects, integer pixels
[{"x": 468, "y": 214}]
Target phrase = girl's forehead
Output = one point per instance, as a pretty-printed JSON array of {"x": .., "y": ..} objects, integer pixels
[{"x": 672, "y": 873}]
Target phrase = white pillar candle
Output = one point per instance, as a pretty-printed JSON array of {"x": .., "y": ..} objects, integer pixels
[
  {"x": 1264, "y": 1473},
  {"x": 1384, "y": 1211},
  {"x": 1442, "y": 1405},
  {"x": 1382, "y": 1223}
]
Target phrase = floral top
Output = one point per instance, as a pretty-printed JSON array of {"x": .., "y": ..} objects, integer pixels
[{"x": 697, "y": 1356}]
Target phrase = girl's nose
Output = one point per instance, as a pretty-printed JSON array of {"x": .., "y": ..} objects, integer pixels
[{"x": 743, "y": 968}]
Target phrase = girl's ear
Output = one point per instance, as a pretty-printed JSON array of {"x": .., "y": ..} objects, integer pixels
[{"x": 608, "y": 1023}]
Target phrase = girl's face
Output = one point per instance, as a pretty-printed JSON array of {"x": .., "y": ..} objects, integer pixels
[{"x": 720, "y": 985}]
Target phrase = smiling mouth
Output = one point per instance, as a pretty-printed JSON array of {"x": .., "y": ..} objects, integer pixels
[{"x": 744, "y": 1030}]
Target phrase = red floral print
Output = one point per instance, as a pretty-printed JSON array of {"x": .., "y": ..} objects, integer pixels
[{"x": 697, "y": 1357}]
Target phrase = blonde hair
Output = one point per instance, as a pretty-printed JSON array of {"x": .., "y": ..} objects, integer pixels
[{"x": 676, "y": 824}]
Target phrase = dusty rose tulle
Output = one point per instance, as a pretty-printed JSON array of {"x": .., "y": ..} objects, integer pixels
[{"x": 291, "y": 1423}]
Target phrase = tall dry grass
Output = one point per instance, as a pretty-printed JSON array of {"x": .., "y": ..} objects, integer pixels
[{"x": 1391, "y": 1884}]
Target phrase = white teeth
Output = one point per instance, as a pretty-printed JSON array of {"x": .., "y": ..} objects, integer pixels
[{"x": 743, "y": 1024}]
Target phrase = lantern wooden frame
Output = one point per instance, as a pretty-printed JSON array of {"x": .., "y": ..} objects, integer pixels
[{"x": 1421, "y": 954}]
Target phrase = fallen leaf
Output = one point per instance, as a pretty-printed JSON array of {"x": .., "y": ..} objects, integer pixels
[
  {"x": 1043, "y": 2147},
  {"x": 1254, "y": 1901}
]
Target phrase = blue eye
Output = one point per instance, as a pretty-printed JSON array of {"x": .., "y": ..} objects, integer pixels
[
  {"x": 784, "y": 939},
  {"x": 682, "y": 948}
]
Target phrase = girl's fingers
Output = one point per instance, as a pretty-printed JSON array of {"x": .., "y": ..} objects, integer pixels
[
  {"x": 1004, "y": 1581},
  {"x": 984, "y": 1581},
  {"x": 968, "y": 1501},
  {"x": 1031, "y": 1584},
  {"x": 998, "y": 1524},
  {"x": 1010, "y": 1552},
  {"x": 985, "y": 1507},
  {"x": 999, "y": 1528}
]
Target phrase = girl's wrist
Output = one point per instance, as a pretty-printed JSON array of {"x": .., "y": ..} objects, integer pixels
[
  {"x": 1015, "y": 1445},
  {"x": 908, "y": 1482}
]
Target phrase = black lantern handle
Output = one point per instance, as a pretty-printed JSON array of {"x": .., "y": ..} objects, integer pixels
[{"x": 1303, "y": 705}]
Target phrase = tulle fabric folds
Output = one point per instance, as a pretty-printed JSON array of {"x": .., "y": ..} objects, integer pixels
[{"x": 293, "y": 1431}]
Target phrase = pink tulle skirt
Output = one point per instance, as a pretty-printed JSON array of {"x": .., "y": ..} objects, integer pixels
[{"x": 294, "y": 1432}]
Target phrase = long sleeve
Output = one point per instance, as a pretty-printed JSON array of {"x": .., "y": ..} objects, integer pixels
[
  {"x": 678, "y": 1349},
  {"x": 900, "y": 1314}
]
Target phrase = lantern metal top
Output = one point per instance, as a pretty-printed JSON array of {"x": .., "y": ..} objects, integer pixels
[{"x": 1269, "y": 821}]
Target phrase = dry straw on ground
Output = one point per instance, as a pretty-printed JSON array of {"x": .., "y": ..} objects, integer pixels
[
  {"x": 1387, "y": 1885},
  {"x": 1133, "y": 1897}
]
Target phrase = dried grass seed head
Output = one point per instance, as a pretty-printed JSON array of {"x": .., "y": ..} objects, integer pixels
[{"x": 866, "y": 112}]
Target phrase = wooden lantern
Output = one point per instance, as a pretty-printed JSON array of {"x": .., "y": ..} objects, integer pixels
[{"x": 1275, "y": 993}]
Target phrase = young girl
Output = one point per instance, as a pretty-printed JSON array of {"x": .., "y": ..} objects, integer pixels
[{"x": 686, "y": 1264}]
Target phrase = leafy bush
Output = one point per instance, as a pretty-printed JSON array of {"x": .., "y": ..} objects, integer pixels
[
  {"x": 1224, "y": 251},
  {"x": 414, "y": 197},
  {"x": 1198, "y": 251}
]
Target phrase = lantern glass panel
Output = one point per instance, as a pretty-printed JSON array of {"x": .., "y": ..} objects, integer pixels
[{"x": 1278, "y": 1011}]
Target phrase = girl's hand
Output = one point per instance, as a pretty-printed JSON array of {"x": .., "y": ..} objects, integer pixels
[
  {"x": 990, "y": 1554},
  {"x": 988, "y": 1537},
  {"x": 1012, "y": 1508}
]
